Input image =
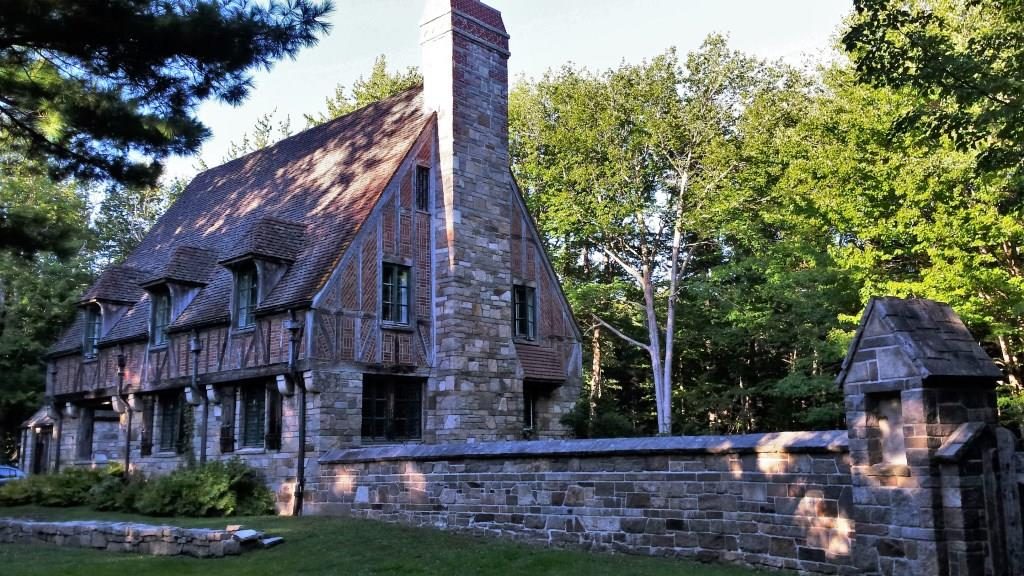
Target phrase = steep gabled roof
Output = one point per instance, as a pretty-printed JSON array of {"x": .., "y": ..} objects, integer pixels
[
  {"x": 301, "y": 200},
  {"x": 930, "y": 334}
]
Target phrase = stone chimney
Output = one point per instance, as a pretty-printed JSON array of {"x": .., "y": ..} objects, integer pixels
[{"x": 465, "y": 72}]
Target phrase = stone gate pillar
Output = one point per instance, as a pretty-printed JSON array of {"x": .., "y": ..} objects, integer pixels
[{"x": 917, "y": 386}]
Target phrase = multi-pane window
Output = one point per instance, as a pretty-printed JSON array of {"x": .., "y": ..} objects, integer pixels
[
  {"x": 93, "y": 326},
  {"x": 245, "y": 297},
  {"x": 171, "y": 422},
  {"x": 392, "y": 408},
  {"x": 161, "y": 318},
  {"x": 254, "y": 413},
  {"x": 422, "y": 188},
  {"x": 525, "y": 310},
  {"x": 395, "y": 293},
  {"x": 85, "y": 430}
]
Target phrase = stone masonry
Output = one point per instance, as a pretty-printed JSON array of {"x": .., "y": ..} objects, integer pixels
[
  {"x": 474, "y": 381},
  {"x": 123, "y": 537},
  {"x": 923, "y": 482}
]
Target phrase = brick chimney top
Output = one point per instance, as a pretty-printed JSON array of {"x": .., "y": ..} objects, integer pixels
[{"x": 472, "y": 18}]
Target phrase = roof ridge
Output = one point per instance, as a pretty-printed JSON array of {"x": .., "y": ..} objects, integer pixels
[{"x": 308, "y": 131}]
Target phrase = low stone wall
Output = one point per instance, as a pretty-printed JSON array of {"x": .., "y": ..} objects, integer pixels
[
  {"x": 122, "y": 537},
  {"x": 773, "y": 500}
]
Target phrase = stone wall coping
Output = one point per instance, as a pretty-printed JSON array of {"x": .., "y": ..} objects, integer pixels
[
  {"x": 953, "y": 448},
  {"x": 779, "y": 442}
]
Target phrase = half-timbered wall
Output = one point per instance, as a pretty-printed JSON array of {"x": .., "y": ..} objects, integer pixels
[
  {"x": 347, "y": 326},
  {"x": 147, "y": 367}
]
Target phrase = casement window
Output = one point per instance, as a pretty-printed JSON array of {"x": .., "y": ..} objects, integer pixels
[
  {"x": 422, "y": 188},
  {"x": 395, "y": 293},
  {"x": 172, "y": 423},
  {"x": 258, "y": 420},
  {"x": 85, "y": 429},
  {"x": 161, "y": 318},
  {"x": 525, "y": 309},
  {"x": 146, "y": 436},
  {"x": 246, "y": 292},
  {"x": 93, "y": 327},
  {"x": 254, "y": 416},
  {"x": 392, "y": 408}
]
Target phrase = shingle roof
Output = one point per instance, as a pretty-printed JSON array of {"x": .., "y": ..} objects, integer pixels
[
  {"x": 302, "y": 199},
  {"x": 188, "y": 265},
  {"x": 931, "y": 335},
  {"x": 269, "y": 238},
  {"x": 117, "y": 284},
  {"x": 540, "y": 363}
]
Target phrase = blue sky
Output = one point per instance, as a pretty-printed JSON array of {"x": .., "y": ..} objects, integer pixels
[{"x": 598, "y": 34}]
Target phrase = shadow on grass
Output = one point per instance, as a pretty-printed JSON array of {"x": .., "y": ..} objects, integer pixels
[{"x": 319, "y": 545}]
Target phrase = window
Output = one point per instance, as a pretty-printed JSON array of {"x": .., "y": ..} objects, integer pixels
[
  {"x": 85, "y": 430},
  {"x": 93, "y": 326},
  {"x": 525, "y": 310},
  {"x": 161, "y": 318},
  {"x": 254, "y": 413},
  {"x": 171, "y": 423},
  {"x": 260, "y": 422},
  {"x": 395, "y": 294},
  {"x": 146, "y": 440},
  {"x": 422, "y": 188},
  {"x": 245, "y": 297},
  {"x": 392, "y": 408}
]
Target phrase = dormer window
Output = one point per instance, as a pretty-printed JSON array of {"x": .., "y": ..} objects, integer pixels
[
  {"x": 246, "y": 292},
  {"x": 93, "y": 327},
  {"x": 161, "y": 318}
]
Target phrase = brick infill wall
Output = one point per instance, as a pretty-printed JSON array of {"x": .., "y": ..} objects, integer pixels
[
  {"x": 122, "y": 537},
  {"x": 771, "y": 500}
]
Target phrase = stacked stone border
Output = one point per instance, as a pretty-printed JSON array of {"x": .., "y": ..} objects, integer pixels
[
  {"x": 122, "y": 537},
  {"x": 781, "y": 500}
]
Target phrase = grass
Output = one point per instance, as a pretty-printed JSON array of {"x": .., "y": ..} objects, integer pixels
[{"x": 317, "y": 545}]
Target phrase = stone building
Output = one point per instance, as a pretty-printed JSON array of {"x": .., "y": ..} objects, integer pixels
[{"x": 373, "y": 280}]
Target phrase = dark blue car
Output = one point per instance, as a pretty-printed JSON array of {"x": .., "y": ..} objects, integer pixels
[{"x": 9, "y": 473}]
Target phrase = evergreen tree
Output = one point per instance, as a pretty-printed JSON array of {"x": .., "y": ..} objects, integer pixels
[{"x": 105, "y": 90}]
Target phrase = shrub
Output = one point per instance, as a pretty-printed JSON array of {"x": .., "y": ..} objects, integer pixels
[
  {"x": 214, "y": 489},
  {"x": 18, "y": 492},
  {"x": 117, "y": 492},
  {"x": 69, "y": 487}
]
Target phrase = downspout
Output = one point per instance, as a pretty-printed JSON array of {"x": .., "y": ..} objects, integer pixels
[
  {"x": 195, "y": 346},
  {"x": 294, "y": 327},
  {"x": 121, "y": 363}
]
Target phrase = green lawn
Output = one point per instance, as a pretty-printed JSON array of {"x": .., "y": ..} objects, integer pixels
[{"x": 316, "y": 545}]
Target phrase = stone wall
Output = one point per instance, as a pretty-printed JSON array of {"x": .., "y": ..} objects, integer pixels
[
  {"x": 122, "y": 537},
  {"x": 772, "y": 500}
]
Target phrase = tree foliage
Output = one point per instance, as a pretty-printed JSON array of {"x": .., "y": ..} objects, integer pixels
[
  {"x": 379, "y": 85},
  {"x": 658, "y": 187},
  {"x": 106, "y": 90},
  {"x": 37, "y": 289}
]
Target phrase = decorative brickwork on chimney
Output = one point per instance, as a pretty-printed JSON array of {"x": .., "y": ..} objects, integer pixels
[{"x": 477, "y": 392}]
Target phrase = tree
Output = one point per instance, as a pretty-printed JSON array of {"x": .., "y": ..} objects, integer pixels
[
  {"x": 950, "y": 71},
  {"x": 267, "y": 131},
  {"x": 105, "y": 91},
  {"x": 632, "y": 161},
  {"x": 961, "y": 58},
  {"x": 380, "y": 85},
  {"x": 38, "y": 289},
  {"x": 126, "y": 214}
]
